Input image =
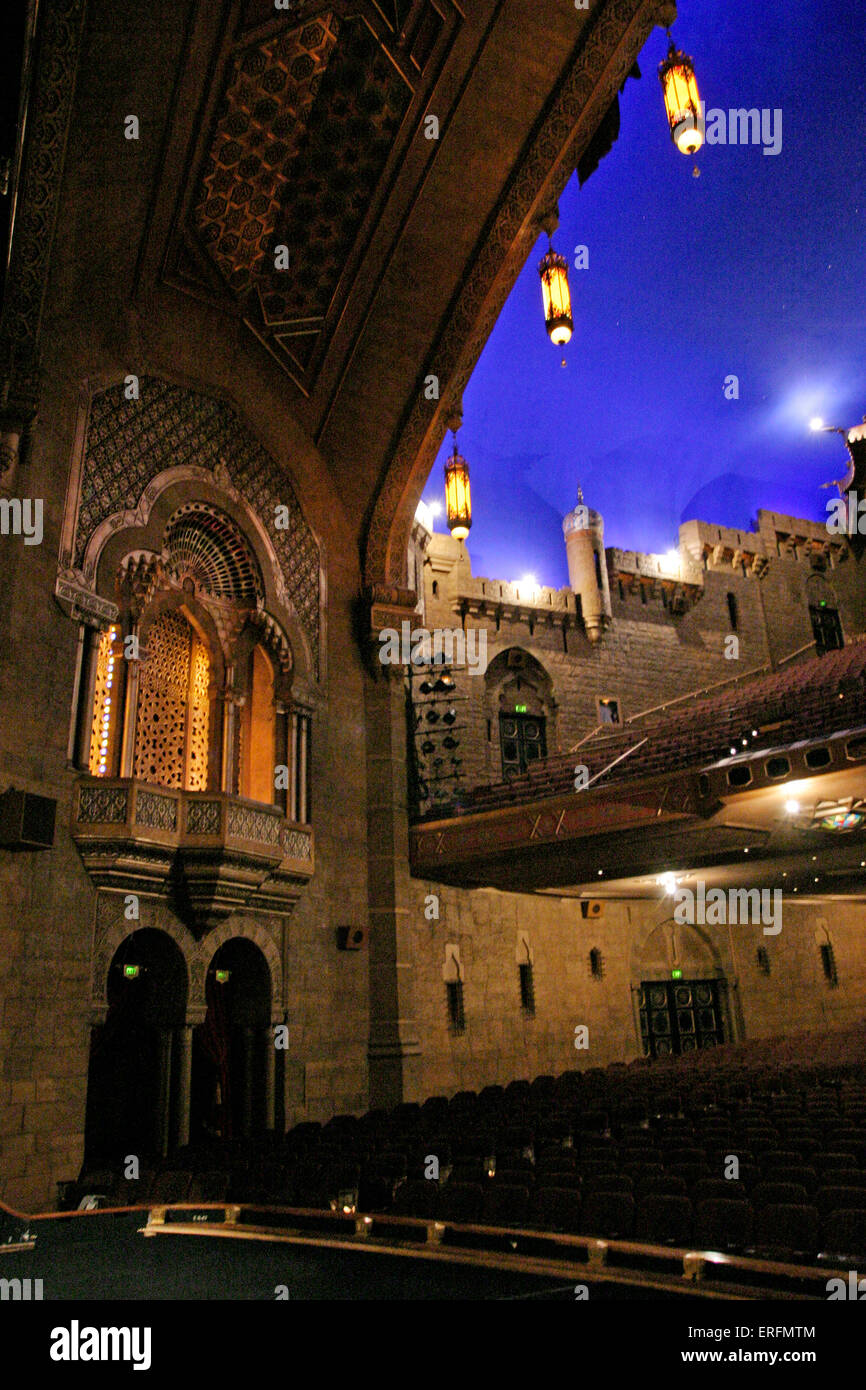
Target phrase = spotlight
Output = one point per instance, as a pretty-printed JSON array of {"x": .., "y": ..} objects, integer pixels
[{"x": 792, "y": 807}]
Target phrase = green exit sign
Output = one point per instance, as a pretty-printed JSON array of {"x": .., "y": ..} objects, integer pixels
[
  {"x": 676, "y": 974},
  {"x": 131, "y": 972},
  {"x": 519, "y": 709}
]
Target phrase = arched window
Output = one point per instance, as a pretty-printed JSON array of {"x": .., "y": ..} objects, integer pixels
[
  {"x": 258, "y": 726},
  {"x": 172, "y": 725}
]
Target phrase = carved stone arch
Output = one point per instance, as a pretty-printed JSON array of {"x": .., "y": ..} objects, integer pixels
[
  {"x": 194, "y": 439},
  {"x": 263, "y": 630},
  {"x": 513, "y": 677},
  {"x": 112, "y": 937},
  {"x": 144, "y": 529},
  {"x": 258, "y": 936},
  {"x": 655, "y": 952},
  {"x": 194, "y": 611}
]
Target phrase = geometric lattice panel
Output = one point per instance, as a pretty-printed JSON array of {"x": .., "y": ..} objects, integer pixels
[
  {"x": 164, "y": 706},
  {"x": 129, "y": 442},
  {"x": 269, "y": 93}
]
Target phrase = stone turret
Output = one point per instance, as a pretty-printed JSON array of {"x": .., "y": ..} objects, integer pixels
[{"x": 587, "y": 570}]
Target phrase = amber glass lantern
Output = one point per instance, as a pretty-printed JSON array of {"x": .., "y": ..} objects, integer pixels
[
  {"x": 557, "y": 297},
  {"x": 682, "y": 102},
  {"x": 458, "y": 500}
]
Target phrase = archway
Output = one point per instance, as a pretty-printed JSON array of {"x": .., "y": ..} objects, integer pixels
[
  {"x": 134, "y": 1072},
  {"x": 680, "y": 992},
  {"x": 232, "y": 1062}
]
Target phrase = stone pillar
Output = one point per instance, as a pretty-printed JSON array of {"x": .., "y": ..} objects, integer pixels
[
  {"x": 249, "y": 1037},
  {"x": 162, "y": 1118},
  {"x": 270, "y": 1079},
  {"x": 184, "y": 1080},
  {"x": 282, "y": 754},
  {"x": 132, "y": 668},
  {"x": 394, "y": 1049}
]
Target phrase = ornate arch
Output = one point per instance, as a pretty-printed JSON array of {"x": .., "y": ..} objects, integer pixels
[
  {"x": 111, "y": 937},
  {"x": 249, "y": 931}
]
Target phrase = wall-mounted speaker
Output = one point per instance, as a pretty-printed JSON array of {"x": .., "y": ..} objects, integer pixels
[
  {"x": 351, "y": 938},
  {"x": 26, "y": 821},
  {"x": 591, "y": 907}
]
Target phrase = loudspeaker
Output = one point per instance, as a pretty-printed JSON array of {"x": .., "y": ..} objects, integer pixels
[
  {"x": 26, "y": 821},
  {"x": 591, "y": 907},
  {"x": 351, "y": 938}
]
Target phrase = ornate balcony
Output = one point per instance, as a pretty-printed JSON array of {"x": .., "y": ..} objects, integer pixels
[{"x": 210, "y": 853}]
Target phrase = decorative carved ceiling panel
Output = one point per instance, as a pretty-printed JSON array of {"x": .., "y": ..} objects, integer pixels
[{"x": 299, "y": 154}]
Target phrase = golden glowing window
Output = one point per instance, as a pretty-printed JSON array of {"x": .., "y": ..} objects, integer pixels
[
  {"x": 103, "y": 703},
  {"x": 173, "y": 720}
]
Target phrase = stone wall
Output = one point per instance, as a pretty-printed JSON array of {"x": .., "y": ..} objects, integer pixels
[{"x": 638, "y": 941}]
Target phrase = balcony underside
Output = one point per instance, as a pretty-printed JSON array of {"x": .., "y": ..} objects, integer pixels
[{"x": 207, "y": 853}]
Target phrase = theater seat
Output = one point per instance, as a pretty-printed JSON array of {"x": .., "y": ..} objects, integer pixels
[
  {"x": 843, "y": 1234},
  {"x": 608, "y": 1214},
  {"x": 664, "y": 1220},
  {"x": 557, "y": 1209},
  {"x": 722, "y": 1224},
  {"x": 461, "y": 1201},
  {"x": 785, "y": 1231},
  {"x": 772, "y": 1193},
  {"x": 506, "y": 1206},
  {"x": 171, "y": 1185},
  {"x": 417, "y": 1197},
  {"x": 829, "y": 1199}
]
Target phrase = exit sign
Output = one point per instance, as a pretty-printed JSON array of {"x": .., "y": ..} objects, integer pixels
[
  {"x": 676, "y": 974},
  {"x": 519, "y": 709}
]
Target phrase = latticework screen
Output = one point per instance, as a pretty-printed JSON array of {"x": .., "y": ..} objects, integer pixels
[{"x": 172, "y": 726}]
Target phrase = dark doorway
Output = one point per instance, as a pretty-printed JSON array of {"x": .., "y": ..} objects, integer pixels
[
  {"x": 132, "y": 1071},
  {"x": 523, "y": 738},
  {"x": 679, "y": 1016},
  {"x": 826, "y": 628},
  {"x": 230, "y": 1049}
]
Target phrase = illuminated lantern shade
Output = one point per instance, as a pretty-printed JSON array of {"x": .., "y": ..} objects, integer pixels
[
  {"x": 682, "y": 103},
  {"x": 458, "y": 502},
  {"x": 557, "y": 297}
]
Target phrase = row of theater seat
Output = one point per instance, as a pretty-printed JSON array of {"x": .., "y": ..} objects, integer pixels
[{"x": 638, "y": 1151}]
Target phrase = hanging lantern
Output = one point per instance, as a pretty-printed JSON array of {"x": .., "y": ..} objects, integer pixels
[
  {"x": 557, "y": 297},
  {"x": 458, "y": 502},
  {"x": 682, "y": 103}
]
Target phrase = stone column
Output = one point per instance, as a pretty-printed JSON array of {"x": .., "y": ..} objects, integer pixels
[
  {"x": 162, "y": 1118},
  {"x": 249, "y": 1037},
  {"x": 184, "y": 1081},
  {"x": 132, "y": 668},
  {"x": 394, "y": 1049},
  {"x": 270, "y": 1078}
]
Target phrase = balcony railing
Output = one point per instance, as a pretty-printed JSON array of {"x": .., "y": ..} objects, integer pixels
[{"x": 211, "y": 853}]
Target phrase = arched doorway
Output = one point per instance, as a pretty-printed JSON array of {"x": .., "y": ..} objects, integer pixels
[
  {"x": 232, "y": 1064},
  {"x": 680, "y": 991},
  {"x": 521, "y": 710},
  {"x": 134, "y": 1064}
]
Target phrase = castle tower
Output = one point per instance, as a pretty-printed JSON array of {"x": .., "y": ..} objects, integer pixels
[{"x": 587, "y": 570}]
